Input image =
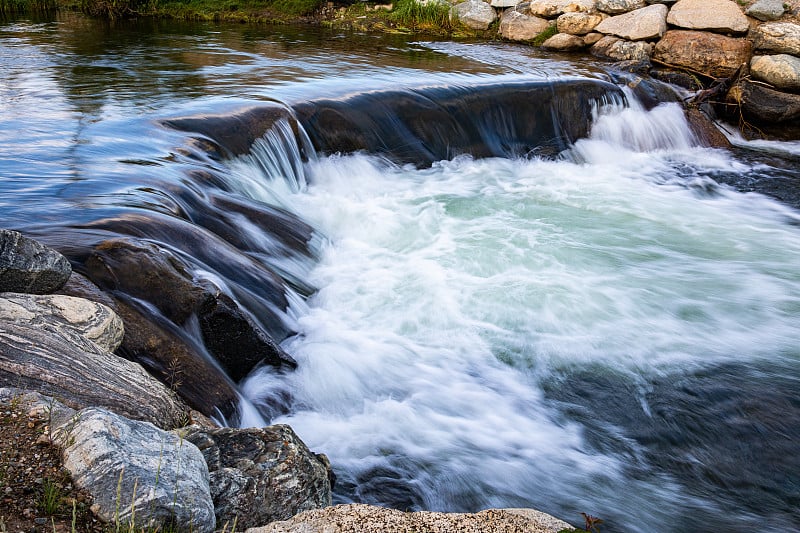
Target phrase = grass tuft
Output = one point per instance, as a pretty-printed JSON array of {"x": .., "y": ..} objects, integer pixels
[
  {"x": 432, "y": 15},
  {"x": 546, "y": 34}
]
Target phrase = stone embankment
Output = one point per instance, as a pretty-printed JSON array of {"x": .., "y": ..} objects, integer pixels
[
  {"x": 147, "y": 460},
  {"x": 758, "y": 43}
]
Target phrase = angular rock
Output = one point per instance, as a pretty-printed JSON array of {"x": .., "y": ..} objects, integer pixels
[
  {"x": 617, "y": 7},
  {"x": 641, "y": 24},
  {"x": 564, "y": 42},
  {"x": 778, "y": 38},
  {"x": 64, "y": 364},
  {"x": 137, "y": 473},
  {"x": 516, "y": 26},
  {"x": 762, "y": 104},
  {"x": 504, "y": 3},
  {"x": 781, "y": 70},
  {"x": 722, "y": 16},
  {"x": 553, "y": 8},
  {"x": 94, "y": 321},
  {"x": 578, "y": 23},
  {"x": 262, "y": 475},
  {"x": 474, "y": 14},
  {"x": 30, "y": 267},
  {"x": 610, "y": 47},
  {"x": 715, "y": 55},
  {"x": 766, "y": 10},
  {"x": 361, "y": 518}
]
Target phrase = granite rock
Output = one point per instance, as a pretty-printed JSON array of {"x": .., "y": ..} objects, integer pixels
[{"x": 28, "y": 266}]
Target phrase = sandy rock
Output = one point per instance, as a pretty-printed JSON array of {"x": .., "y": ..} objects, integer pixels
[
  {"x": 137, "y": 472},
  {"x": 641, "y": 24},
  {"x": 516, "y": 26},
  {"x": 360, "y": 518},
  {"x": 616, "y": 7},
  {"x": 504, "y": 3},
  {"x": 578, "y": 23},
  {"x": 610, "y": 47},
  {"x": 778, "y": 38},
  {"x": 766, "y": 10},
  {"x": 553, "y": 8},
  {"x": 262, "y": 475},
  {"x": 715, "y": 55},
  {"x": 564, "y": 42},
  {"x": 28, "y": 266},
  {"x": 94, "y": 321},
  {"x": 781, "y": 70},
  {"x": 592, "y": 38},
  {"x": 475, "y": 14},
  {"x": 723, "y": 16}
]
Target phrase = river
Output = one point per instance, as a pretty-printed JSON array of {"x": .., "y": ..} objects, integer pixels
[{"x": 611, "y": 330}]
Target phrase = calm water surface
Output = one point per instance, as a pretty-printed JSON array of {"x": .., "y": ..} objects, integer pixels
[{"x": 615, "y": 331}]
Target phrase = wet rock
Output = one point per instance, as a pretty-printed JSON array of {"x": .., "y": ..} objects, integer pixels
[
  {"x": 777, "y": 38},
  {"x": 766, "y": 10},
  {"x": 564, "y": 42},
  {"x": 80, "y": 286},
  {"x": 578, "y": 23},
  {"x": 361, "y": 518},
  {"x": 716, "y": 55},
  {"x": 706, "y": 133},
  {"x": 781, "y": 70},
  {"x": 516, "y": 26},
  {"x": 553, "y": 8},
  {"x": 30, "y": 267},
  {"x": 262, "y": 475},
  {"x": 93, "y": 321},
  {"x": 616, "y": 7},
  {"x": 762, "y": 104},
  {"x": 723, "y": 16},
  {"x": 475, "y": 14},
  {"x": 641, "y": 24},
  {"x": 137, "y": 473},
  {"x": 60, "y": 362},
  {"x": 610, "y": 47}
]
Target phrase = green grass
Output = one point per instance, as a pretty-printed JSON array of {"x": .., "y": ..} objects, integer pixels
[
  {"x": 546, "y": 34},
  {"x": 433, "y": 15},
  {"x": 51, "y": 497},
  {"x": 27, "y": 6}
]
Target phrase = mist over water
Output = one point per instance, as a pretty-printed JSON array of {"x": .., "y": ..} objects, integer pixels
[{"x": 462, "y": 308}]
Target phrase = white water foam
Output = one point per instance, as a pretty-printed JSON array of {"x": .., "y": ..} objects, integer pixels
[{"x": 447, "y": 295}]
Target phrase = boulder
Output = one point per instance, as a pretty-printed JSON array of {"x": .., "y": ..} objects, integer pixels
[
  {"x": 136, "y": 473},
  {"x": 94, "y": 321},
  {"x": 28, "y": 266},
  {"x": 262, "y": 475},
  {"x": 504, "y": 3},
  {"x": 474, "y": 14},
  {"x": 641, "y": 24},
  {"x": 564, "y": 42},
  {"x": 578, "y": 23},
  {"x": 617, "y": 7},
  {"x": 361, "y": 518},
  {"x": 715, "y": 55},
  {"x": 553, "y": 8},
  {"x": 518, "y": 27},
  {"x": 610, "y": 47},
  {"x": 778, "y": 38},
  {"x": 781, "y": 70},
  {"x": 762, "y": 104},
  {"x": 704, "y": 130},
  {"x": 722, "y": 16},
  {"x": 766, "y": 10},
  {"x": 60, "y": 362},
  {"x": 591, "y": 38}
]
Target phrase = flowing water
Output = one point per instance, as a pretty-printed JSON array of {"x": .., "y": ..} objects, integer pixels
[{"x": 612, "y": 330}]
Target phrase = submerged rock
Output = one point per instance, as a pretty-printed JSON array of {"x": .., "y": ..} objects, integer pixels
[
  {"x": 262, "y": 475},
  {"x": 30, "y": 267},
  {"x": 136, "y": 473},
  {"x": 360, "y": 518}
]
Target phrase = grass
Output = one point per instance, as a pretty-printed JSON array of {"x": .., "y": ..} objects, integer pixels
[
  {"x": 8, "y": 7},
  {"x": 546, "y": 34},
  {"x": 51, "y": 497},
  {"x": 433, "y": 15}
]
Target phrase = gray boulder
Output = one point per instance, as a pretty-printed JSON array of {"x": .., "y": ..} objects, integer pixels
[
  {"x": 516, "y": 26},
  {"x": 781, "y": 70},
  {"x": 617, "y": 7},
  {"x": 136, "y": 473},
  {"x": 766, "y": 10},
  {"x": 262, "y": 475},
  {"x": 360, "y": 518},
  {"x": 28, "y": 266},
  {"x": 610, "y": 47},
  {"x": 778, "y": 38},
  {"x": 722, "y": 16},
  {"x": 641, "y": 24},
  {"x": 474, "y": 14},
  {"x": 94, "y": 321}
]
